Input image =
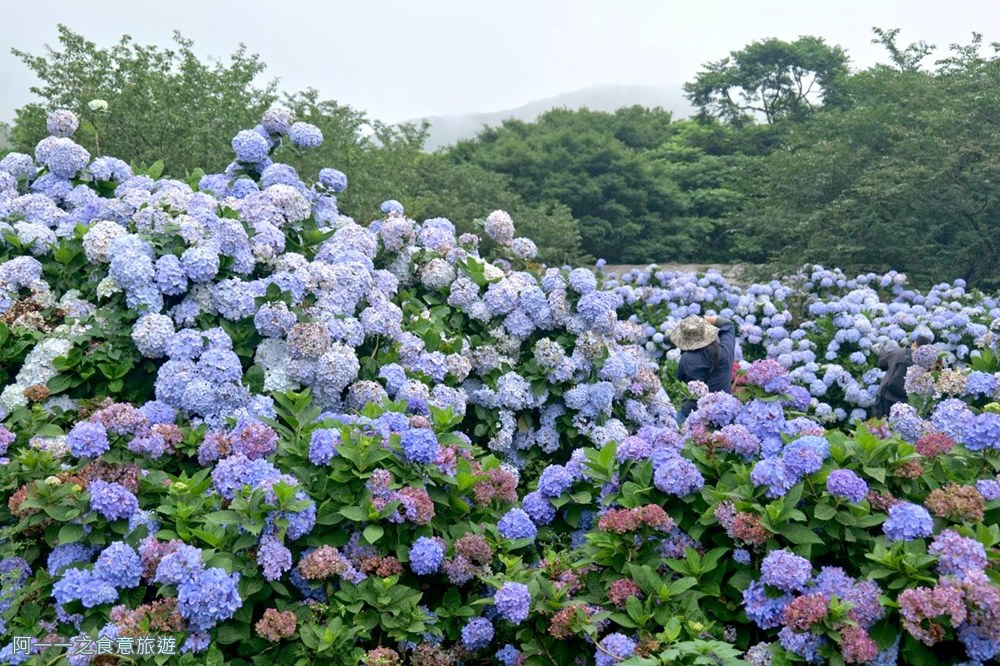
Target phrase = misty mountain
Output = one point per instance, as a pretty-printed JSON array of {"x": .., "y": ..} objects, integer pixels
[{"x": 446, "y": 130}]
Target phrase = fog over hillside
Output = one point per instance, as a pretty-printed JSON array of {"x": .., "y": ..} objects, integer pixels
[{"x": 446, "y": 130}]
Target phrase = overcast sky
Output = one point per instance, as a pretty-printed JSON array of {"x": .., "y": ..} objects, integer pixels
[{"x": 400, "y": 59}]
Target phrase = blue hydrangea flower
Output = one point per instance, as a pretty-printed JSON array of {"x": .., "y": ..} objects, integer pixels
[
  {"x": 305, "y": 135},
  {"x": 785, "y": 571},
  {"x": 554, "y": 481},
  {"x": 323, "y": 446},
  {"x": 179, "y": 566},
  {"x": 845, "y": 483},
  {"x": 112, "y": 500},
  {"x": 208, "y": 598},
  {"x": 615, "y": 647},
  {"x": 333, "y": 180},
  {"x": 420, "y": 445},
  {"x": 88, "y": 439},
  {"x": 516, "y": 524},
  {"x": 539, "y": 508},
  {"x": 426, "y": 555},
  {"x": 678, "y": 476},
  {"x": 250, "y": 147},
  {"x": 907, "y": 522},
  {"x": 513, "y": 602},
  {"x": 477, "y": 633},
  {"x": 119, "y": 565}
]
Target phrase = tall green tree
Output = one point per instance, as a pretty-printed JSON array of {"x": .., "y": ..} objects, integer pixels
[
  {"x": 163, "y": 104},
  {"x": 379, "y": 159},
  {"x": 466, "y": 193},
  {"x": 624, "y": 202},
  {"x": 904, "y": 177},
  {"x": 770, "y": 79}
]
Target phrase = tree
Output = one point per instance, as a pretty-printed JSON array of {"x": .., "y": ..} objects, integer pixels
[
  {"x": 624, "y": 202},
  {"x": 467, "y": 193},
  {"x": 772, "y": 79},
  {"x": 379, "y": 159},
  {"x": 904, "y": 178},
  {"x": 162, "y": 103}
]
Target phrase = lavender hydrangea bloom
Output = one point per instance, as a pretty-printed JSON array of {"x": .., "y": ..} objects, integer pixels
[
  {"x": 273, "y": 557},
  {"x": 513, "y": 602},
  {"x": 785, "y": 571},
  {"x": 678, "y": 476},
  {"x": 112, "y": 500},
  {"x": 477, "y": 633},
  {"x": 426, "y": 556},
  {"x": 615, "y": 648},
  {"x": 87, "y": 439},
  {"x": 957, "y": 554},
  {"x": 420, "y": 445},
  {"x": 845, "y": 483},
  {"x": 516, "y": 524},
  {"x": 305, "y": 135},
  {"x": 908, "y": 521},
  {"x": 119, "y": 565}
]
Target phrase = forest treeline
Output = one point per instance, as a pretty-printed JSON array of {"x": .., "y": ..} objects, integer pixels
[{"x": 793, "y": 156}]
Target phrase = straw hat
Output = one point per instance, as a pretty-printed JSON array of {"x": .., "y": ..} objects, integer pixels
[{"x": 693, "y": 333}]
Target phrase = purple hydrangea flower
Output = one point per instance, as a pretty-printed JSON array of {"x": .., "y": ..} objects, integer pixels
[
  {"x": 420, "y": 445},
  {"x": 112, "y": 500},
  {"x": 477, "y": 633},
  {"x": 614, "y": 648},
  {"x": 908, "y": 521},
  {"x": 845, "y": 483},
  {"x": 426, "y": 555},
  {"x": 273, "y": 557},
  {"x": 785, "y": 571},
  {"x": 88, "y": 439},
  {"x": 513, "y": 602},
  {"x": 957, "y": 554},
  {"x": 516, "y": 524},
  {"x": 678, "y": 476}
]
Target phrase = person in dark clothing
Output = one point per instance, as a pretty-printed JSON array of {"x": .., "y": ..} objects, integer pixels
[
  {"x": 708, "y": 347},
  {"x": 892, "y": 390}
]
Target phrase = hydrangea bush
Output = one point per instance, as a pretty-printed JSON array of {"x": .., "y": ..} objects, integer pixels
[{"x": 236, "y": 417}]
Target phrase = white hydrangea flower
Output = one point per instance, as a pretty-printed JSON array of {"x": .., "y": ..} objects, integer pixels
[{"x": 107, "y": 287}]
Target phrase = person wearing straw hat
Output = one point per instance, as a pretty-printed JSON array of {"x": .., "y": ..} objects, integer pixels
[{"x": 708, "y": 347}]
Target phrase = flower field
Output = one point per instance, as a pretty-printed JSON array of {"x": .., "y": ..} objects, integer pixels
[{"x": 239, "y": 420}]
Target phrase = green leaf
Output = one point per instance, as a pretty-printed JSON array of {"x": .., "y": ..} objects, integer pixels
[
  {"x": 824, "y": 511},
  {"x": 70, "y": 533},
  {"x": 373, "y": 533},
  {"x": 799, "y": 534},
  {"x": 355, "y": 513}
]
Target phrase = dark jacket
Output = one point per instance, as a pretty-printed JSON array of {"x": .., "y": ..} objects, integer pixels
[
  {"x": 696, "y": 364},
  {"x": 895, "y": 362}
]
